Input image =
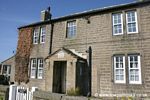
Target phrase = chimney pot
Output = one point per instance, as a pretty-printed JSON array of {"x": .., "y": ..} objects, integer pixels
[{"x": 46, "y": 15}]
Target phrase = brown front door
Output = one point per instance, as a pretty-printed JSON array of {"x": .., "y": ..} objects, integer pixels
[{"x": 59, "y": 76}]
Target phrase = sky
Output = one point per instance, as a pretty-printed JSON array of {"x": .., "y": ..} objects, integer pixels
[{"x": 16, "y": 13}]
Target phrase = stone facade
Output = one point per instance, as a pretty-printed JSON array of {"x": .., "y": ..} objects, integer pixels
[
  {"x": 9, "y": 62},
  {"x": 98, "y": 35},
  {"x": 95, "y": 30},
  {"x": 40, "y": 51}
]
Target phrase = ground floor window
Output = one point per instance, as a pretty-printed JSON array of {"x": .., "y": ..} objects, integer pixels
[
  {"x": 119, "y": 69},
  {"x": 37, "y": 68},
  {"x": 134, "y": 66},
  {"x": 132, "y": 69}
]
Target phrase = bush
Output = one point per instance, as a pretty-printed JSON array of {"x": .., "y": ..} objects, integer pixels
[
  {"x": 73, "y": 92},
  {"x": 4, "y": 80},
  {"x": 1, "y": 98}
]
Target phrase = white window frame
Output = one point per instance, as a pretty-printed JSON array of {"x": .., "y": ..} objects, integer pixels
[
  {"x": 117, "y": 23},
  {"x": 40, "y": 68},
  {"x": 139, "y": 68},
  {"x": 127, "y": 22},
  {"x": 124, "y": 80},
  {"x": 33, "y": 68},
  {"x": 36, "y": 36},
  {"x": 42, "y": 34},
  {"x": 71, "y": 28},
  {"x": 7, "y": 71}
]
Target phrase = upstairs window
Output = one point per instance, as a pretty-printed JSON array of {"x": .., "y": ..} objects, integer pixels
[
  {"x": 117, "y": 24},
  {"x": 43, "y": 35},
  {"x": 6, "y": 70},
  {"x": 71, "y": 29},
  {"x": 131, "y": 19},
  {"x": 119, "y": 69},
  {"x": 37, "y": 68},
  {"x": 134, "y": 69},
  {"x": 35, "y": 36}
]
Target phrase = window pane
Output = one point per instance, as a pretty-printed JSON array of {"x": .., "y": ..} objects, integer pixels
[
  {"x": 40, "y": 73},
  {"x": 121, "y": 65},
  {"x": 33, "y": 68},
  {"x": 117, "y": 77},
  {"x": 132, "y": 78},
  {"x": 121, "y": 59},
  {"x": 121, "y": 72},
  {"x": 119, "y": 69},
  {"x": 131, "y": 21},
  {"x": 135, "y": 58},
  {"x": 35, "y": 36},
  {"x": 134, "y": 69},
  {"x": 121, "y": 77},
  {"x": 117, "y": 65},
  {"x": 136, "y": 77},
  {"x": 71, "y": 29},
  {"x": 33, "y": 72},
  {"x": 117, "y": 59},
  {"x": 117, "y": 23},
  {"x": 40, "y": 68},
  {"x": 4, "y": 69},
  {"x": 131, "y": 58},
  {"x": 131, "y": 65},
  {"x": 43, "y": 34},
  {"x": 117, "y": 72}
]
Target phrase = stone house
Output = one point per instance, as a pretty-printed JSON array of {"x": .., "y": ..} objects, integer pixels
[
  {"x": 7, "y": 68},
  {"x": 101, "y": 51}
]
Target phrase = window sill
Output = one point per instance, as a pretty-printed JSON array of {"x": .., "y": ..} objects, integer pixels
[
  {"x": 118, "y": 34},
  {"x": 35, "y": 43},
  {"x": 73, "y": 38},
  {"x": 135, "y": 83},
  {"x": 132, "y": 32},
  {"x": 119, "y": 82},
  {"x": 41, "y": 42},
  {"x": 36, "y": 79}
]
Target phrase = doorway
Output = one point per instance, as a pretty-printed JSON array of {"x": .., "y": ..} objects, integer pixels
[{"x": 59, "y": 76}]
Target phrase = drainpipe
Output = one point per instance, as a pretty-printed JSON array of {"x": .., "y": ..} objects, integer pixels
[
  {"x": 89, "y": 51},
  {"x": 51, "y": 38}
]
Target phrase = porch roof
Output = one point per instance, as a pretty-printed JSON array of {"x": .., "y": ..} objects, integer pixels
[{"x": 68, "y": 51}]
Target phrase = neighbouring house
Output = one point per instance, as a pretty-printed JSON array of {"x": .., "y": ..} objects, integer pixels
[
  {"x": 101, "y": 51},
  {"x": 8, "y": 69}
]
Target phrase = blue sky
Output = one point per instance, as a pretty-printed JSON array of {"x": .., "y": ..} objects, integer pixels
[{"x": 15, "y": 13}]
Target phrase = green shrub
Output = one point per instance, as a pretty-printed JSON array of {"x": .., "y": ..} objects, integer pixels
[
  {"x": 1, "y": 98},
  {"x": 130, "y": 98},
  {"x": 73, "y": 92}
]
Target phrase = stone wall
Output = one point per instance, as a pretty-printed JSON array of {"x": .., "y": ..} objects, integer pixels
[
  {"x": 42, "y": 95},
  {"x": 40, "y": 50},
  {"x": 98, "y": 35},
  {"x": 26, "y": 50},
  {"x": 4, "y": 92}
]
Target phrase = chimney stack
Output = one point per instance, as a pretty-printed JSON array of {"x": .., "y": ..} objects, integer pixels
[{"x": 46, "y": 14}]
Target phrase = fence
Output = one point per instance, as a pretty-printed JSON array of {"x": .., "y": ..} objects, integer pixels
[{"x": 20, "y": 93}]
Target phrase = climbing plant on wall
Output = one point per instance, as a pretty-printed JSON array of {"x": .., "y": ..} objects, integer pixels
[{"x": 23, "y": 54}]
